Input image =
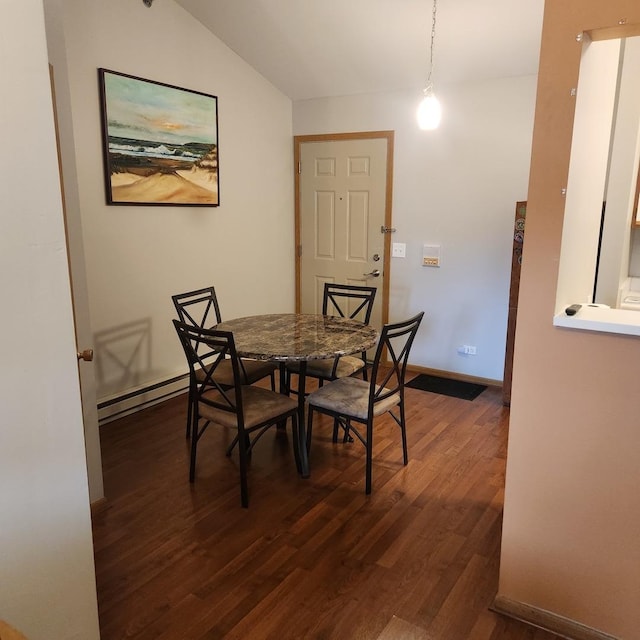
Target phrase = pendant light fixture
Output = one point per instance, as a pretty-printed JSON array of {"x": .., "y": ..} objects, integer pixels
[{"x": 429, "y": 110}]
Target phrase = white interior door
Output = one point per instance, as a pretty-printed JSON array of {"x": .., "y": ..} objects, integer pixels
[
  {"x": 82, "y": 327},
  {"x": 342, "y": 214}
]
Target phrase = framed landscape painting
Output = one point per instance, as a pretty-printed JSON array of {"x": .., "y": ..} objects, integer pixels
[{"x": 160, "y": 143}]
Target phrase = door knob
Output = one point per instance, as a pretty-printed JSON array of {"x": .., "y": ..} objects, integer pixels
[
  {"x": 86, "y": 355},
  {"x": 374, "y": 274}
]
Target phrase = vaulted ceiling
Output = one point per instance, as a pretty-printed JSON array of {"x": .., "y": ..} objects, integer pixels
[{"x": 310, "y": 49}]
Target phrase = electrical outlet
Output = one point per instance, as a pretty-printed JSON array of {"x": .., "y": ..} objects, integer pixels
[{"x": 399, "y": 250}]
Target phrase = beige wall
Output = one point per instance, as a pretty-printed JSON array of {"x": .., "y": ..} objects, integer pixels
[
  {"x": 571, "y": 537},
  {"x": 456, "y": 187},
  {"x": 136, "y": 257}
]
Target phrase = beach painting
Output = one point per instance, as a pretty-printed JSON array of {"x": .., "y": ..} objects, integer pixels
[{"x": 160, "y": 143}]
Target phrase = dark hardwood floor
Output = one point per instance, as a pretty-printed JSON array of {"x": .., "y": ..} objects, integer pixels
[{"x": 309, "y": 558}]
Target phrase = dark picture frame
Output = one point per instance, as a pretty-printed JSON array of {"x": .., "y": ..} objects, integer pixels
[{"x": 160, "y": 143}]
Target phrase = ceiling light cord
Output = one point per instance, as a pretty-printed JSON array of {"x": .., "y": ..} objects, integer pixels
[
  {"x": 429, "y": 110},
  {"x": 431, "y": 48}
]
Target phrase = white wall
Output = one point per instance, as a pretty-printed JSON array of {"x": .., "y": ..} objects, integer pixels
[
  {"x": 623, "y": 174},
  {"x": 136, "y": 257},
  {"x": 47, "y": 584},
  {"x": 457, "y": 187},
  {"x": 586, "y": 183}
]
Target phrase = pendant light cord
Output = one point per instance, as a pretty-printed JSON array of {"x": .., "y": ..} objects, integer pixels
[
  {"x": 433, "y": 36},
  {"x": 429, "y": 111}
]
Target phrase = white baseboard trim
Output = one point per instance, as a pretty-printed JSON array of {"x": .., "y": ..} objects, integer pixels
[
  {"x": 552, "y": 622},
  {"x": 140, "y": 398},
  {"x": 117, "y": 406}
]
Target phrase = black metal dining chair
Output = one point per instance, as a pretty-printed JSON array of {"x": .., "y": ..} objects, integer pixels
[
  {"x": 351, "y": 400},
  {"x": 346, "y": 301},
  {"x": 200, "y": 308},
  {"x": 248, "y": 410}
]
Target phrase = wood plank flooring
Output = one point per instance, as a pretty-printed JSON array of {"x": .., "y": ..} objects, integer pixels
[{"x": 311, "y": 558}]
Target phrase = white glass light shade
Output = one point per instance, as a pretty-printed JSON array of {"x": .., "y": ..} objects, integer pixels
[{"x": 429, "y": 112}]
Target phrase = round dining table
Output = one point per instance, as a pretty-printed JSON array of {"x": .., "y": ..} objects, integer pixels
[{"x": 298, "y": 337}]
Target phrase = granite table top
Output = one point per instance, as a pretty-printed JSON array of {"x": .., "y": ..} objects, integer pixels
[{"x": 295, "y": 336}]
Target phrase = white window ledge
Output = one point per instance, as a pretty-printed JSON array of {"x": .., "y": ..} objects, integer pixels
[{"x": 625, "y": 321}]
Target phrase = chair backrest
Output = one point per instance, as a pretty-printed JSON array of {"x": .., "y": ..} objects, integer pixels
[
  {"x": 397, "y": 339},
  {"x": 206, "y": 350},
  {"x": 348, "y": 301},
  {"x": 198, "y": 308}
]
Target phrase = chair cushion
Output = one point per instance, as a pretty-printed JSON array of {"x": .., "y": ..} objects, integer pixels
[
  {"x": 350, "y": 397},
  {"x": 223, "y": 375},
  {"x": 259, "y": 405},
  {"x": 255, "y": 370},
  {"x": 347, "y": 365}
]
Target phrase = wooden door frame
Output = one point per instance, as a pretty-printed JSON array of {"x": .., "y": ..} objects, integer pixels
[{"x": 341, "y": 137}]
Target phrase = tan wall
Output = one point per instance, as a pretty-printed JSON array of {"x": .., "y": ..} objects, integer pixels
[{"x": 571, "y": 538}]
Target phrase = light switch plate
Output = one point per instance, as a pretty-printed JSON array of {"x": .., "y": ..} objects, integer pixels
[{"x": 399, "y": 250}]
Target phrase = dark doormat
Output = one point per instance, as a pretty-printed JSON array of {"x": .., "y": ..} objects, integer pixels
[{"x": 446, "y": 387}]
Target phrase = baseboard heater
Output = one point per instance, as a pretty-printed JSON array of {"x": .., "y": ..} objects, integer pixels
[{"x": 141, "y": 398}]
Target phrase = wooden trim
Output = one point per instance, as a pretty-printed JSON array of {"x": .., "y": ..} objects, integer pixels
[
  {"x": 635, "y": 221},
  {"x": 386, "y": 276},
  {"x": 355, "y": 135},
  {"x": 454, "y": 376},
  {"x": 61, "y": 178},
  {"x": 551, "y": 622},
  {"x": 296, "y": 222},
  {"x": 7, "y": 632},
  {"x": 98, "y": 506},
  {"x": 617, "y": 31},
  {"x": 514, "y": 292},
  {"x": 337, "y": 137}
]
